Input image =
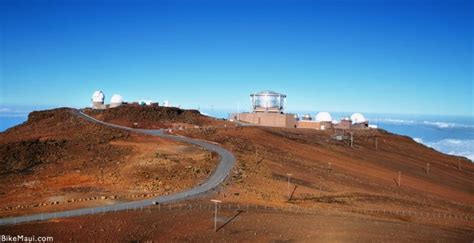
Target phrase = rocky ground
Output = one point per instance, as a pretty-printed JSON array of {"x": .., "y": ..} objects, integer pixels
[
  {"x": 194, "y": 221},
  {"x": 342, "y": 193},
  {"x": 155, "y": 117},
  {"x": 58, "y": 161}
]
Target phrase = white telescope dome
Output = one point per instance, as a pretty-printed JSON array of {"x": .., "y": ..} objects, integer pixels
[
  {"x": 98, "y": 96},
  {"x": 116, "y": 99},
  {"x": 357, "y": 118},
  {"x": 323, "y": 117}
]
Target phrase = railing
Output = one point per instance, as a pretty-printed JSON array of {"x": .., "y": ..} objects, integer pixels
[{"x": 248, "y": 208}]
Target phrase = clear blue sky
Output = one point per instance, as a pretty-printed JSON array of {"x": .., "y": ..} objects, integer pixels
[{"x": 371, "y": 56}]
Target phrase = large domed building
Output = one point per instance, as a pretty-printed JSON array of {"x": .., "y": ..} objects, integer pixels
[
  {"x": 359, "y": 121},
  {"x": 323, "y": 116},
  {"x": 357, "y": 118},
  {"x": 98, "y": 98},
  {"x": 324, "y": 119},
  {"x": 116, "y": 100}
]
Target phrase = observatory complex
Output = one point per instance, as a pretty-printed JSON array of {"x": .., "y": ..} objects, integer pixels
[
  {"x": 268, "y": 109},
  {"x": 98, "y": 98}
]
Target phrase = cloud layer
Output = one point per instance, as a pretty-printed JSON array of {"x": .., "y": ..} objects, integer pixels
[
  {"x": 461, "y": 147},
  {"x": 437, "y": 124}
]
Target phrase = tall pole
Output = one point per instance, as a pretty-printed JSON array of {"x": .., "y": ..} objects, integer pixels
[
  {"x": 288, "y": 187},
  {"x": 399, "y": 178},
  {"x": 215, "y": 217},
  {"x": 215, "y": 213},
  {"x": 352, "y": 139}
]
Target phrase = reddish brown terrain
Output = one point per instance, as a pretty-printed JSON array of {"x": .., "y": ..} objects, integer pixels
[
  {"x": 154, "y": 117},
  {"x": 354, "y": 198},
  {"x": 57, "y": 160}
]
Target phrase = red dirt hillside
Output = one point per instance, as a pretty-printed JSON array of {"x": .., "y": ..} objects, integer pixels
[
  {"x": 153, "y": 117},
  {"x": 57, "y": 160},
  {"x": 342, "y": 193}
]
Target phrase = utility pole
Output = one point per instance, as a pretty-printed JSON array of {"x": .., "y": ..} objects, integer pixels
[
  {"x": 352, "y": 139},
  {"x": 238, "y": 111},
  {"x": 288, "y": 187},
  {"x": 215, "y": 213},
  {"x": 399, "y": 178}
]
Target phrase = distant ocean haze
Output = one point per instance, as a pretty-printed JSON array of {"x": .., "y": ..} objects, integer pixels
[
  {"x": 448, "y": 134},
  {"x": 7, "y": 122}
]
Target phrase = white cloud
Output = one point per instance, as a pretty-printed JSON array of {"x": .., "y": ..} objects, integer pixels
[
  {"x": 418, "y": 140},
  {"x": 437, "y": 124},
  {"x": 460, "y": 147}
]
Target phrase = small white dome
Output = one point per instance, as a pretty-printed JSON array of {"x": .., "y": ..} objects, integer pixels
[
  {"x": 98, "y": 96},
  {"x": 116, "y": 99},
  {"x": 323, "y": 117},
  {"x": 357, "y": 118}
]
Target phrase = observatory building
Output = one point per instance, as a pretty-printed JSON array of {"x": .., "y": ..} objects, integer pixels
[
  {"x": 322, "y": 121},
  {"x": 116, "y": 100},
  {"x": 267, "y": 110},
  {"x": 359, "y": 121},
  {"x": 268, "y": 101},
  {"x": 98, "y": 98},
  {"x": 355, "y": 121}
]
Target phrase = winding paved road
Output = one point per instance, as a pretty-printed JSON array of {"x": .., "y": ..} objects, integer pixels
[{"x": 226, "y": 162}]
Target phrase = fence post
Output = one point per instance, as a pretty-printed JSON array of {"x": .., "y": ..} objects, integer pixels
[{"x": 399, "y": 178}]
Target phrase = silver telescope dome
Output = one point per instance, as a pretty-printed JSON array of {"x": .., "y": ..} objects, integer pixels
[{"x": 268, "y": 101}]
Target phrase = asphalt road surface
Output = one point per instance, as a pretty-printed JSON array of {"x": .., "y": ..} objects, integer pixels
[{"x": 226, "y": 162}]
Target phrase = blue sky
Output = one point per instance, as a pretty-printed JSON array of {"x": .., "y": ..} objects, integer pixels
[{"x": 383, "y": 56}]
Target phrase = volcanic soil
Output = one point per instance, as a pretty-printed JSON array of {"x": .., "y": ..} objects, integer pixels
[
  {"x": 302, "y": 185},
  {"x": 57, "y": 160}
]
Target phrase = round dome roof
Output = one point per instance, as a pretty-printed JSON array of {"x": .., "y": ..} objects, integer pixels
[
  {"x": 323, "y": 117},
  {"x": 98, "y": 96},
  {"x": 357, "y": 118},
  {"x": 116, "y": 99}
]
